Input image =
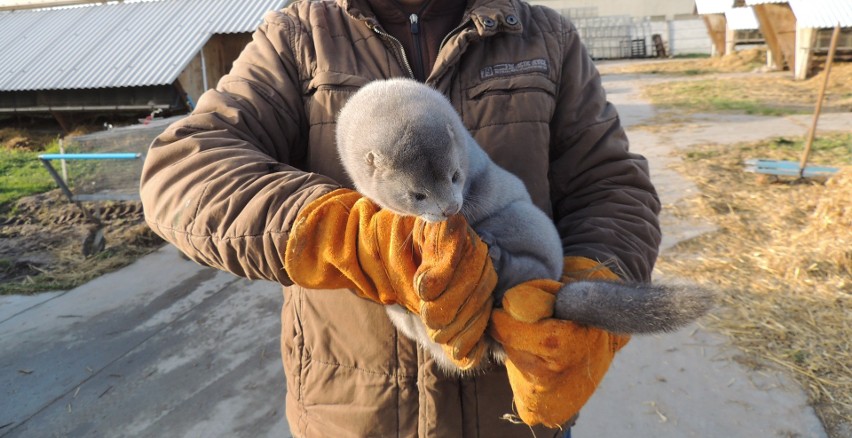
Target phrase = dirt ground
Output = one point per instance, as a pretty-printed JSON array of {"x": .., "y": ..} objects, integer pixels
[
  {"x": 45, "y": 240},
  {"x": 780, "y": 250},
  {"x": 42, "y": 238},
  {"x": 781, "y": 254}
]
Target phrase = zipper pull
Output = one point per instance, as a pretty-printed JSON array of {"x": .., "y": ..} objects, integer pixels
[{"x": 415, "y": 24}]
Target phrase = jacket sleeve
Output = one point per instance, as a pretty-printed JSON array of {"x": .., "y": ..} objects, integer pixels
[
  {"x": 604, "y": 204},
  {"x": 217, "y": 184}
]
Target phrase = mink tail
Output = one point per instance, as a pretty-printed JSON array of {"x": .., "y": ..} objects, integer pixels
[{"x": 632, "y": 308}]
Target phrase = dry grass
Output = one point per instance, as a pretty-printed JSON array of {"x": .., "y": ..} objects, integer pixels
[
  {"x": 41, "y": 242},
  {"x": 783, "y": 254},
  {"x": 766, "y": 93},
  {"x": 21, "y": 139},
  {"x": 719, "y": 84},
  {"x": 737, "y": 62}
]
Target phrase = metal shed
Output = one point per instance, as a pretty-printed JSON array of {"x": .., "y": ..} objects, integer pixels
[
  {"x": 798, "y": 32},
  {"x": 729, "y": 23},
  {"x": 131, "y": 56}
]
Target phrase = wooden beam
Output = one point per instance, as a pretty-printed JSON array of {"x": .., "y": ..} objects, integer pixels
[
  {"x": 784, "y": 25},
  {"x": 716, "y": 27},
  {"x": 767, "y": 28},
  {"x": 64, "y": 120}
]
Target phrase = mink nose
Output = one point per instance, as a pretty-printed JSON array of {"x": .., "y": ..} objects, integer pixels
[{"x": 451, "y": 209}]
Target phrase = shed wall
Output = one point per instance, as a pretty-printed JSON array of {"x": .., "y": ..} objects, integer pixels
[
  {"x": 219, "y": 55},
  {"x": 132, "y": 99},
  {"x": 685, "y": 36}
]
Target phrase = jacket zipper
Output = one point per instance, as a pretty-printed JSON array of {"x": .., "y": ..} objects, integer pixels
[
  {"x": 401, "y": 49},
  {"x": 418, "y": 49},
  {"x": 399, "y": 46}
]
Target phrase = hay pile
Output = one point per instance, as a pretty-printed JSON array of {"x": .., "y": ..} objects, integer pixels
[
  {"x": 737, "y": 62},
  {"x": 783, "y": 255},
  {"x": 828, "y": 234},
  {"x": 13, "y": 138}
]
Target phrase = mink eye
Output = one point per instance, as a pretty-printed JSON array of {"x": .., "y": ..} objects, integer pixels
[
  {"x": 455, "y": 177},
  {"x": 418, "y": 196}
]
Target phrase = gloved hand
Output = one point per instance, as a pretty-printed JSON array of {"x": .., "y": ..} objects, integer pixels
[
  {"x": 440, "y": 271},
  {"x": 554, "y": 366},
  {"x": 455, "y": 281}
]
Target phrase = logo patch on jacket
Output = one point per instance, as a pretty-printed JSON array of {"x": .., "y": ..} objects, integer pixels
[{"x": 517, "y": 68}]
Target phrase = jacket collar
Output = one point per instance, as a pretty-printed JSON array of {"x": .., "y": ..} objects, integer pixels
[
  {"x": 489, "y": 16},
  {"x": 391, "y": 11}
]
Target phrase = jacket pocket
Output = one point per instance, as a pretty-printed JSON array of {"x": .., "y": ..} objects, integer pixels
[
  {"x": 512, "y": 85},
  {"x": 292, "y": 340},
  {"x": 325, "y": 94},
  {"x": 501, "y": 105},
  {"x": 335, "y": 81}
]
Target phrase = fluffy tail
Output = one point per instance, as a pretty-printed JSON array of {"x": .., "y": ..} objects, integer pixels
[{"x": 632, "y": 308}]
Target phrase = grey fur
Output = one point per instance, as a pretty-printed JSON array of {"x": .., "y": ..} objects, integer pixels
[
  {"x": 398, "y": 138},
  {"x": 632, "y": 308}
]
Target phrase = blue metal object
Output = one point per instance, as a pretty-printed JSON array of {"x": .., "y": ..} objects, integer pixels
[
  {"x": 787, "y": 168},
  {"x": 95, "y": 240},
  {"x": 47, "y": 158},
  {"x": 101, "y": 156}
]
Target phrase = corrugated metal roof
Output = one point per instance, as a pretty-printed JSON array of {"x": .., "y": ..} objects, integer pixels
[
  {"x": 713, "y": 6},
  {"x": 134, "y": 43},
  {"x": 822, "y": 13},
  {"x": 762, "y": 2},
  {"x": 33, "y": 4},
  {"x": 741, "y": 19}
]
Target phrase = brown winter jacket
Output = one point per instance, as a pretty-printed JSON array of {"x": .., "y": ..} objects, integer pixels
[{"x": 225, "y": 184}]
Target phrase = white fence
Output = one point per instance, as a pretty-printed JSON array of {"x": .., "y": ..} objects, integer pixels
[
  {"x": 614, "y": 37},
  {"x": 684, "y": 36}
]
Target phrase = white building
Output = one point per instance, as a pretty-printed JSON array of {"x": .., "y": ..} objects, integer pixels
[
  {"x": 665, "y": 9},
  {"x": 619, "y": 28}
]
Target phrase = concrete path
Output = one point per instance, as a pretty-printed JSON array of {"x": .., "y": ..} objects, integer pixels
[
  {"x": 167, "y": 348},
  {"x": 161, "y": 348}
]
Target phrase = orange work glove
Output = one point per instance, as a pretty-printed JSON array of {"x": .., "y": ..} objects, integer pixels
[
  {"x": 440, "y": 271},
  {"x": 554, "y": 366}
]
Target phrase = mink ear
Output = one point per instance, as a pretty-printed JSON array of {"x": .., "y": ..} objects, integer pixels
[{"x": 373, "y": 160}]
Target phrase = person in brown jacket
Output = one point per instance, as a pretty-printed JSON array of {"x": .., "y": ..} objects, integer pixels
[{"x": 231, "y": 185}]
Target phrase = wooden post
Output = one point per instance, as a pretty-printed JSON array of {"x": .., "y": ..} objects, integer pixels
[
  {"x": 62, "y": 162},
  {"x": 730, "y": 39},
  {"x": 805, "y": 43},
  {"x": 812, "y": 133},
  {"x": 191, "y": 78}
]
